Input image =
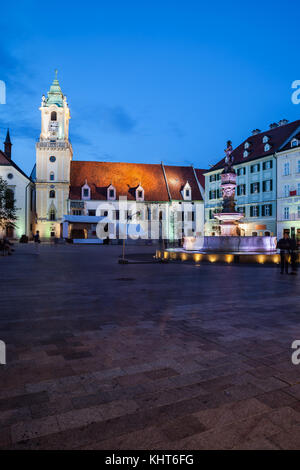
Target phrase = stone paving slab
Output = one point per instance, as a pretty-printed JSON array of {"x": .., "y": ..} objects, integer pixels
[{"x": 146, "y": 355}]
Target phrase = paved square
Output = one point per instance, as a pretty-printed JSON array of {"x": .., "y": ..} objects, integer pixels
[{"x": 146, "y": 355}]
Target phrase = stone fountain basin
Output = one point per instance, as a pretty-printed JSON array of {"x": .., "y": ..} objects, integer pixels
[{"x": 230, "y": 244}]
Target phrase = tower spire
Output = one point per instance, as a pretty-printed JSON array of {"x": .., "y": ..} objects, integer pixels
[
  {"x": 55, "y": 95},
  {"x": 7, "y": 145}
]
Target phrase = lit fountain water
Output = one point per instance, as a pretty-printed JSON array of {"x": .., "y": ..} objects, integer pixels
[
  {"x": 230, "y": 239},
  {"x": 230, "y": 242}
]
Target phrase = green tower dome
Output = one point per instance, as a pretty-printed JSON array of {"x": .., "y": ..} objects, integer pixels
[{"x": 55, "y": 95}]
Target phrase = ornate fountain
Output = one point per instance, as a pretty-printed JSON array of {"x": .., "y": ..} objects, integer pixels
[
  {"x": 230, "y": 240},
  {"x": 228, "y": 217}
]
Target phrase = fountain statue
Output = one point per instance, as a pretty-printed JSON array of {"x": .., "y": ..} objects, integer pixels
[
  {"x": 230, "y": 239},
  {"x": 228, "y": 217}
]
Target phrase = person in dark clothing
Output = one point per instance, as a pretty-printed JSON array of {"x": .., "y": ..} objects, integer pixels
[
  {"x": 284, "y": 246},
  {"x": 294, "y": 254},
  {"x": 37, "y": 241},
  {"x": 7, "y": 245}
]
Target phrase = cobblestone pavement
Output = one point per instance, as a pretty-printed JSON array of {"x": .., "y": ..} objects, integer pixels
[{"x": 146, "y": 355}]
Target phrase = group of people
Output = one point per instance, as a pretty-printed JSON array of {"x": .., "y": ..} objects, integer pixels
[{"x": 288, "y": 251}]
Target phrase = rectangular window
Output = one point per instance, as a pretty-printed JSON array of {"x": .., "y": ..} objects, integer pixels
[
  {"x": 286, "y": 190},
  {"x": 298, "y": 169},
  {"x": 254, "y": 211},
  {"x": 267, "y": 185},
  {"x": 92, "y": 212},
  {"x": 255, "y": 168},
  {"x": 266, "y": 210},
  {"x": 286, "y": 213},
  {"x": 76, "y": 212},
  {"x": 241, "y": 171},
  {"x": 86, "y": 192},
  {"x": 242, "y": 210},
  {"x": 298, "y": 212},
  {"x": 267, "y": 165},
  {"x": 254, "y": 188},
  {"x": 241, "y": 190},
  {"x": 286, "y": 169},
  {"x": 111, "y": 193},
  {"x": 212, "y": 178},
  {"x": 298, "y": 189}
]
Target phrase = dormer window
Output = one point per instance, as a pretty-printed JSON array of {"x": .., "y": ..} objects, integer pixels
[
  {"x": 247, "y": 145},
  {"x": 267, "y": 147},
  {"x": 245, "y": 154},
  {"x": 187, "y": 192},
  {"x": 139, "y": 193},
  {"x": 265, "y": 139},
  {"x": 111, "y": 193},
  {"x": 53, "y": 116},
  {"x": 85, "y": 191},
  {"x": 294, "y": 143}
]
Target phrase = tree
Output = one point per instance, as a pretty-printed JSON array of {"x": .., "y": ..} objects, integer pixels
[{"x": 7, "y": 206}]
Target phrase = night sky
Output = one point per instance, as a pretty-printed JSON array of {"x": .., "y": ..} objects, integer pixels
[{"x": 149, "y": 81}]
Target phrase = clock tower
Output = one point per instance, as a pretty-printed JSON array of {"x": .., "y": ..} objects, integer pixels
[{"x": 53, "y": 157}]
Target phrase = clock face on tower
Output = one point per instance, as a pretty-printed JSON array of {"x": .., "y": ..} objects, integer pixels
[{"x": 53, "y": 126}]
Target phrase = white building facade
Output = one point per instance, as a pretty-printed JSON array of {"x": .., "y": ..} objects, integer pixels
[
  {"x": 22, "y": 189},
  {"x": 288, "y": 188}
]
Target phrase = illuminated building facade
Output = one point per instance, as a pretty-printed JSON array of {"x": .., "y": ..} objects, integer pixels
[
  {"x": 68, "y": 192},
  {"x": 288, "y": 187},
  {"x": 255, "y": 163},
  {"x": 22, "y": 188}
]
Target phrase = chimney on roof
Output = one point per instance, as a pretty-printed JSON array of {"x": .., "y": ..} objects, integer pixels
[
  {"x": 282, "y": 122},
  {"x": 256, "y": 131},
  {"x": 273, "y": 125},
  {"x": 7, "y": 145}
]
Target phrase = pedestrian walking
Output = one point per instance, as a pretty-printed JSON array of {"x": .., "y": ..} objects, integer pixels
[
  {"x": 294, "y": 254},
  {"x": 284, "y": 246},
  {"x": 37, "y": 241}
]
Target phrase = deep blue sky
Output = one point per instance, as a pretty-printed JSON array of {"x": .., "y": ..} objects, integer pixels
[{"x": 149, "y": 80}]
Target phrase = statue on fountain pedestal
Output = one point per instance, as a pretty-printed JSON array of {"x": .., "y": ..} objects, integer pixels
[
  {"x": 228, "y": 216},
  {"x": 228, "y": 157},
  {"x": 228, "y": 181}
]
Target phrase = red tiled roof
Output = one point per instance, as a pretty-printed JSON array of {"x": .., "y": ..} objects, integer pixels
[
  {"x": 277, "y": 138},
  {"x": 200, "y": 175},
  {"x": 177, "y": 176},
  {"x": 126, "y": 177}
]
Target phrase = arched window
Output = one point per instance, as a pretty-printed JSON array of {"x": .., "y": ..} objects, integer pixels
[
  {"x": 52, "y": 215},
  {"x": 53, "y": 116},
  {"x": 52, "y": 194},
  {"x": 51, "y": 176}
]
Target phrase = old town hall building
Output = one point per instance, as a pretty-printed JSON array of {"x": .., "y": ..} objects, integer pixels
[{"x": 68, "y": 192}]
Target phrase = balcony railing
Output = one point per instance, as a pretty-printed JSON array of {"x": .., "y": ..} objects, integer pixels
[{"x": 55, "y": 144}]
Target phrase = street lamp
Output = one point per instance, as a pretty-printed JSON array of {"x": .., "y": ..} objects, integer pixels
[{"x": 123, "y": 260}]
